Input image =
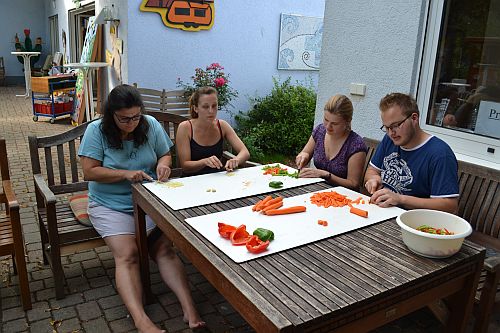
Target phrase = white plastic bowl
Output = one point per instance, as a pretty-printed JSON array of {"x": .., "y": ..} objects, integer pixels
[{"x": 430, "y": 245}]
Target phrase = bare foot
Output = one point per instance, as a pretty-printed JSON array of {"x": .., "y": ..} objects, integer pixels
[
  {"x": 195, "y": 322},
  {"x": 147, "y": 326}
]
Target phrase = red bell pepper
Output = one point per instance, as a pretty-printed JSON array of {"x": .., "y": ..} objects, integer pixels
[
  {"x": 255, "y": 245},
  {"x": 240, "y": 236},
  {"x": 225, "y": 230}
]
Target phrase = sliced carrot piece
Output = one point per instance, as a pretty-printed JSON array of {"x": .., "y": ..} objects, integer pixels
[
  {"x": 359, "y": 212},
  {"x": 287, "y": 210}
]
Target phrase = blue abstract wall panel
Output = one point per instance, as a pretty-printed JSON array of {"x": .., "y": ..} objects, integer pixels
[{"x": 300, "y": 42}]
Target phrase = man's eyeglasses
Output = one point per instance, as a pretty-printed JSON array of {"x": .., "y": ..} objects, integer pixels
[
  {"x": 126, "y": 120},
  {"x": 394, "y": 126}
]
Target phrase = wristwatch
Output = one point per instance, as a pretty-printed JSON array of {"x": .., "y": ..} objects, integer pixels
[{"x": 327, "y": 177}]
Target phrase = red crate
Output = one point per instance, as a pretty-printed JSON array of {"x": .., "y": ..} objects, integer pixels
[{"x": 58, "y": 108}]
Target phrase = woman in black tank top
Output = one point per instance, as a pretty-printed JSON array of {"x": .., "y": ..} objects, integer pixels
[{"x": 200, "y": 141}]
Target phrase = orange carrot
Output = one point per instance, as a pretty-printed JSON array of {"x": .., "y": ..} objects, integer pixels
[
  {"x": 359, "y": 212},
  {"x": 254, "y": 208},
  {"x": 262, "y": 203},
  {"x": 287, "y": 210},
  {"x": 323, "y": 222},
  {"x": 273, "y": 206},
  {"x": 273, "y": 201}
]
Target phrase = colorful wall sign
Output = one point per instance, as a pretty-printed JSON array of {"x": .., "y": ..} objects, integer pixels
[{"x": 189, "y": 15}]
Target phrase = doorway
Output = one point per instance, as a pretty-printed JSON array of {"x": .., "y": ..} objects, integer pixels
[{"x": 77, "y": 20}]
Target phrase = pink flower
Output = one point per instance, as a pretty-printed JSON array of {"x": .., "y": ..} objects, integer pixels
[{"x": 219, "y": 82}]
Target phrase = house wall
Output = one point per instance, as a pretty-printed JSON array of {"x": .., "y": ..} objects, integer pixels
[
  {"x": 15, "y": 16},
  {"x": 244, "y": 39},
  {"x": 383, "y": 52}
]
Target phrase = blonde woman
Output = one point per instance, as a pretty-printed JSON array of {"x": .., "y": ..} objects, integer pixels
[
  {"x": 200, "y": 140},
  {"x": 338, "y": 152}
]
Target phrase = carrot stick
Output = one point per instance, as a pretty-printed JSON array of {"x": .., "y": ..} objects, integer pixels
[
  {"x": 262, "y": 203},
  {"x": 359, "y": 212},
  {"x": 273, "y": 206},
  {"x": 287, "y": 210},
  {"x": 273, "y": 201}
]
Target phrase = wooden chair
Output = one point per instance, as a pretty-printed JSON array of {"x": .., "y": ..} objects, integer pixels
[
  {"x": 372, "y": 146},
  {"x": 60, "y": 231},
  {"x": 176, "y": 102},
  {"x": 480, "y": 205},
  {"x": 11, "y": 237},
  {"x": 154, "y": 100}
]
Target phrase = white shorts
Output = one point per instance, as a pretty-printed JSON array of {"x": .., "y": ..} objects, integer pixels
[{"x": 109, "y": 222}]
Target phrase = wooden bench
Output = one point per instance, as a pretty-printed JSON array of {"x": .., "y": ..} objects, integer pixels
[
  {"x": 11, "y": 236},
  {"x": 479, "y": 203}
]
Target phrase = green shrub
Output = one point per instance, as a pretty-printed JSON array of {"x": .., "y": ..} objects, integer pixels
[{"x": 280, "y": 122}]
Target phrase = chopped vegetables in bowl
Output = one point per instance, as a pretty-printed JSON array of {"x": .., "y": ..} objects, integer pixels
[{"x": 442, "y": 234}]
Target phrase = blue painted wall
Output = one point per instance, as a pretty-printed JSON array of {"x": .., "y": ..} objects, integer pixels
[
  {"x": 244, "y": 39},
  {"x": 15, "y": 16}
]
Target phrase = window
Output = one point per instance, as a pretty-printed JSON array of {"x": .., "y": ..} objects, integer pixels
[
  {"x": 54, "y": 34},
  {"x": 459, "y": 88}
]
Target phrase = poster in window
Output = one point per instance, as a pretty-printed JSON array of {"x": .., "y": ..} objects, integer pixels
[
  {"x": 300, "y": 42},
  {"x": 488, "y": 119}
]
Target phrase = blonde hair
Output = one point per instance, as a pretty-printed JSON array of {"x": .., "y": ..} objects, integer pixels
[
  {"x": 340, "y": 105},
  {"x": 195, "y": 98}
]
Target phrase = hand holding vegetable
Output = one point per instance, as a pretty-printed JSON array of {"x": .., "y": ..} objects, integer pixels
[
  {"x": 302, "y": 159},
  {"x": 232, "y": 164},
  {"x": 163, "y": 172},
  {"x": 136, "y": 176},
  {"x": 386, "y": 198},
  {"x": 213, "y": 162}
]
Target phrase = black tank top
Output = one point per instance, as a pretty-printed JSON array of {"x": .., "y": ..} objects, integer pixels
[{"x": 199, "y": 152}]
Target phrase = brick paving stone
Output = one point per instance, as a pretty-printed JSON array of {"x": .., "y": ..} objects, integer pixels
[
  {"x": 38, "y": 312},
  {"x": 64, "y": 313},
  {"x": 41, "y": 274},
  {"x": 89, "y": 310},
  {"x": 87, "y": 264},
  {"x": 99, "y": 281},
  {"x": 96, "y": 325},
  {"x": 36, "y": 285},
  {"x": 122, "y": 325},
  {"x": 94, "y": 272},
  {"x": 13, "y": 313},
  {"x": 10, "y": 302},
  {"x": 42, "y": 326},
  {"x": 99, "y": 292},
  {"x": 176, "y": 324},
  {"x": 18, "y": 325},
  {"x": 109, "y": 302},
  {"x": 45, "y": 294},
  {"x": 82, "y": 256},
  {"x": 72, "y": 325},
  {"x": 118, "y": 312},
  {"x": 78, "y": 284},
  {"x": 69, "y": 300}
]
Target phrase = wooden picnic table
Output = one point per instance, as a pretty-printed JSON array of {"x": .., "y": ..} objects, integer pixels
[{"x": 353, "y": 282}]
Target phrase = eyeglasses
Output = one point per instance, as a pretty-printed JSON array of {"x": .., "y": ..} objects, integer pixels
[
  {"x": 394, "y": 126},
  {"x": 126, "y": 120}
]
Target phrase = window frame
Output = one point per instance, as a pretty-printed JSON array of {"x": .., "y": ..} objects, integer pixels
[{"x": 467, "y": 146}]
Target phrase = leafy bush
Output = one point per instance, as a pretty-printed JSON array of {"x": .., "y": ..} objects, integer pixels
[{"x": 280, "y": 122}]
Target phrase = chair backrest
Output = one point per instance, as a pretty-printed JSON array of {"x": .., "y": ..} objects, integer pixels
[
  {"x": 170, "y": 123},
  {"x": 176, "y": 102},
  {"x": 59, "y": 151},
  {"x": 479, "y": 201},
  {"x": 153, "y": 99}
]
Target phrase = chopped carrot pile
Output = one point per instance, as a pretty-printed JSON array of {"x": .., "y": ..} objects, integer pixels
[{"x": 330, "y": 199}]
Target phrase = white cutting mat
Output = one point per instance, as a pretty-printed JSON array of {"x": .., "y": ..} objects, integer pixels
[
  {"x": 180, "y": 193},
  {"x": 290, "y": 230}
]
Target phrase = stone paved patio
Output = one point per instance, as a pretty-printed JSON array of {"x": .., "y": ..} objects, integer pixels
[{"x": 92, "y": 303}]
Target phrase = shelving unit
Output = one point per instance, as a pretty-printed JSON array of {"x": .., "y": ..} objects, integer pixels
[{"x": 44, "y": 89}]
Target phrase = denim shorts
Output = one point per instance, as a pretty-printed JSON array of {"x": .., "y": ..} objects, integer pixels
[{"x": 109, "y": 222}]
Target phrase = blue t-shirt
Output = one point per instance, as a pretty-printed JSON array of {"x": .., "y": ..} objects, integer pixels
[
  {"x": 118, "y": 196},
  {"x": 429, "y": 170}
]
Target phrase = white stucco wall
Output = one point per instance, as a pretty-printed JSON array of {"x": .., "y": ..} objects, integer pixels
[
  {"x": 244, "y": 39},
  {"x": 376, "y": 43}
]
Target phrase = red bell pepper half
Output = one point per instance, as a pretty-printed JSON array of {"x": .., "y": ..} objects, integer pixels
[
  {"x": 255, "y": 245},
  {"x": 225, "y": 230},
  {"x": 240, "y": 236}
]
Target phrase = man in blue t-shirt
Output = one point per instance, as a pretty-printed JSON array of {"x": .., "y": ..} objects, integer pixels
[{"x": 410, "y": 167}]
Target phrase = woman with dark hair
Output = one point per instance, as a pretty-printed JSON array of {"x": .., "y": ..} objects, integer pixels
[
  {"x": 200, "y": 140},
  {"x": 338, "y": 152},
  {"x": 124, "y": 147}
]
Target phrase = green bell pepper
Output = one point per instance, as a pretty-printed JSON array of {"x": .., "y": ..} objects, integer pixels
[
  {"x": 276, "y": 184},
  {"x": 264, "y": 234}
]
